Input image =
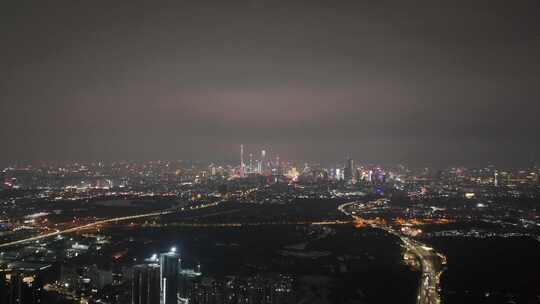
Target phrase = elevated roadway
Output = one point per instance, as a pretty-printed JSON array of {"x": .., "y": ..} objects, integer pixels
[{"x": 431, "y": 262}]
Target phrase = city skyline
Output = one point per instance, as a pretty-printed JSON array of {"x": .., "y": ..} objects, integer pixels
[{"x": 270, "y": 152}]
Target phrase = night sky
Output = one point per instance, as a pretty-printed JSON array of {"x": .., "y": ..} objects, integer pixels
[{"x": 417, "y": 82}]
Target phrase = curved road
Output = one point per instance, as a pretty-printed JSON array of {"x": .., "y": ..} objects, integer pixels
[{"x": 430, "y": 261}]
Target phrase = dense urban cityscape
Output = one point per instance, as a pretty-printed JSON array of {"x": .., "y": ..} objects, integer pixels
[
  {"x": 122, "y": 232},
  {"x": 270, "y": 152}
]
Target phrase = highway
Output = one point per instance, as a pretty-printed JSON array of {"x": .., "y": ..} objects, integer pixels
[
  {"x": 430, "y": 261},
  {"x": 83, "y": 227},
  {"x": 99, "y": 223},
  {"x": 114, "y": 220}
]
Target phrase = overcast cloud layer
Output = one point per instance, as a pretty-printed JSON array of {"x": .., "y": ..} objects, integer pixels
[{"x": 421, "y": 82}]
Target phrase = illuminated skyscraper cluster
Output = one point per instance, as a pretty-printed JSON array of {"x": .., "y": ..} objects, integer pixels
[{"x": 263, "y": 166}]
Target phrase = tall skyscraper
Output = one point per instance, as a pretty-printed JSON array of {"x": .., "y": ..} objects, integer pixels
[
  {"x": 349, "y": 172},
  {"x": 170, "y": 266},
  {"x": 242, "y": 165},
  {"x": 339, "y": 174},
  {"x": 145, "y": 288},
  {"x": 250, "y": 169},
  {"x": 263, "y": 162}
]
